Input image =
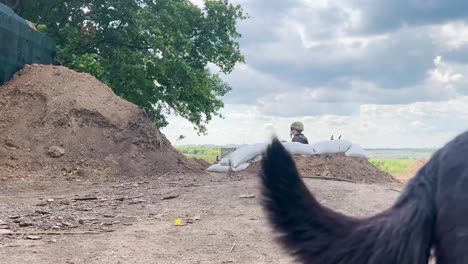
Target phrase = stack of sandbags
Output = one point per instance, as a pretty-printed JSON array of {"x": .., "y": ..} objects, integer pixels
[
  {"x": 241, "y": 158},
  {"x": 356, "y": 151}
]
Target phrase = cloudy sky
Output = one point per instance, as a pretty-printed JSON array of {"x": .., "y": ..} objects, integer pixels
[{"x": 387, "y": 73}]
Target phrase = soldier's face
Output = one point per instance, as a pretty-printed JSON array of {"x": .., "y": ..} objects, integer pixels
[{"x": 294, "y": 132}]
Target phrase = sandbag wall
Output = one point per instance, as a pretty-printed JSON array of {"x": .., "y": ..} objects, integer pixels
[{"x": 241, "y": 158}]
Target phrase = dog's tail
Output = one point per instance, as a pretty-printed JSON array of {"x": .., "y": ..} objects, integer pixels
[{"x": 316, "y": 234}]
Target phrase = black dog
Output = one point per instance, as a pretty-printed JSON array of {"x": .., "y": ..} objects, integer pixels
[{"x": 432, "y": 212}]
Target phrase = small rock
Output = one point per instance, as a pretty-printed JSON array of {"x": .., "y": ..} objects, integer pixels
[
  {"x": 56, "y": 151},
  {"x": 64, "y": 202},
  {"x": 83, "y": 209},
  {"x": 24, "y": 224},
  {"x": 137, "y": 201},
  {"x": 168, "y": 197},
  {"x": 80, "y": 172},
  {"x": 42, "y": 204},
  {"x": 247, "y": 196},
  {"x": 42, "y": 212},
  {"x": 14, "y": 217},
  {"x": 30, "y": 237},
  {"x": 84, "y": 220},
  {"x": 108, "y": 216},
  {"x": 9, "y": 143},
  {"x": 50, "y": 200}
]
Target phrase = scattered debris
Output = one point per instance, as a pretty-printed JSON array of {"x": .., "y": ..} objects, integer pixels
[
  {"x": 9, "y": 143},
  {"x": 247, "y": 196},
  {"x": 137, "y": 201},
  {"x": 178, "y": 222},
  {"x": 232, "y": 248},
  {"x": 108, "y": 215},
  {"x": 24, "y": 224},
  {"x": 170, "y": 196},
  {"x": 42, "y": 212},
  {"x": 89, "y": 198},
  {"x": 32, "y": 237}
]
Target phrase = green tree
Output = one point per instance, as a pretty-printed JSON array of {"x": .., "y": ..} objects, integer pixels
[{"x": 154, "y": 53}]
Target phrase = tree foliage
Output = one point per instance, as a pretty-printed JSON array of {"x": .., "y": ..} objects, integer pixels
[{"x": 154, "y": 53}]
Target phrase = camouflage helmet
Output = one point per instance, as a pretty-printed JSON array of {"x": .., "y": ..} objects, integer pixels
[{"x": 297, "y": 126}]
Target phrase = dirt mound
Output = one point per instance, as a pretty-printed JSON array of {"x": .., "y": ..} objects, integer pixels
[
  {"x": 54, "y": 119},
  {"x": 200, "y": 163},
  {"x": 337, "y": 166}
]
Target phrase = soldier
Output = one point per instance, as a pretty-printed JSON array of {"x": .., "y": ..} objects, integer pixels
[{"x": 296, "y": 133}]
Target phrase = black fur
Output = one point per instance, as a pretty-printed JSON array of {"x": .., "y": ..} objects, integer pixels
[{"x": 431, "y": 212}]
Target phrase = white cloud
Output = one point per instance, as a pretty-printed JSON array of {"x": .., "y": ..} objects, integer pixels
[
  {"x": 444, "y": 73},
  {"x": 453, "y": 35},
  {"x": 346, "y": 67}
]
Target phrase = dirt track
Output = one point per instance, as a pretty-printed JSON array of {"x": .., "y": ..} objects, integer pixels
[{"x": 134, "y": 225}]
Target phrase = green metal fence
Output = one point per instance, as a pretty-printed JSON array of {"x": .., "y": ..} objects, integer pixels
[{"x": 20, "y": 45}]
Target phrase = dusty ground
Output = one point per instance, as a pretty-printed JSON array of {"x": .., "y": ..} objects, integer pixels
[{"x": 131, "y": 222}]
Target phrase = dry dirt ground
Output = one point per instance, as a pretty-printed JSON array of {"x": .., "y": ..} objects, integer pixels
[{"x": 133, "y": 221}]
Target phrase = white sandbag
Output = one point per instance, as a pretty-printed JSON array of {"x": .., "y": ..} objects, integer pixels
[
  {"x": 356, "y": 151},
  {"x": 247, "y": 153},
  {"x": 296, "y": 148},
  {"x": 218, "y": 168},
  {"x": 332, "y": 146},
  {"x": 258, "y": 158},
  {"x": 241, "y": 167},
  {"x": 225, "y": 161}
]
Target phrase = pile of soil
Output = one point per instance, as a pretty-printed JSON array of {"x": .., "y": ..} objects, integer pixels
[
  {"x": 336, "y": 166},
  {"x": 200, "y": 163},
  {"x": 55, "y": 120}
]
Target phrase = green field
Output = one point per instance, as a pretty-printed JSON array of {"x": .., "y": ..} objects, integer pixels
[
  {"x": 201, "y": 152},
  {"x": 388, "y": 160},
  {"x": 392, "y": 166}
]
